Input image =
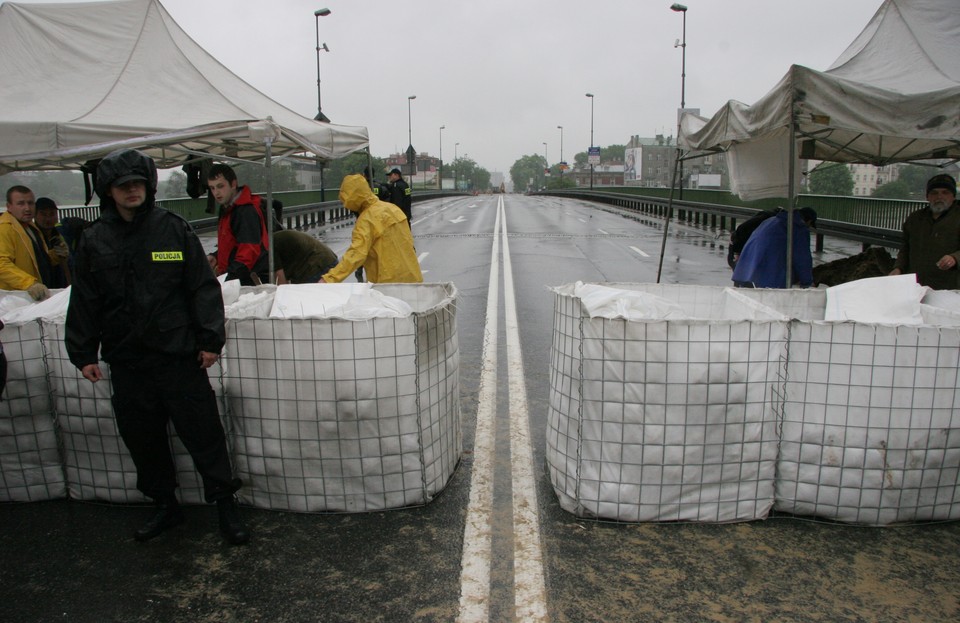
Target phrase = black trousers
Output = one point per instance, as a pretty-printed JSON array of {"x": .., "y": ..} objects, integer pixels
[{"x": 145, "y": 400}]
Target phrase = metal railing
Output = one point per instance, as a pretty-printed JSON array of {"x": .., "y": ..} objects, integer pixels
[{"x": 872, "y": 222}]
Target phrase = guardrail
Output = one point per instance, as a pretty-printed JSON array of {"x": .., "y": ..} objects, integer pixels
[
  {"x": 726, "y": 217},
  {"x": 301, "y": 216}
]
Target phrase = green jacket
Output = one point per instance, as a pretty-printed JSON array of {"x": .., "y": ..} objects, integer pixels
[{"x": 925, "y": 241}]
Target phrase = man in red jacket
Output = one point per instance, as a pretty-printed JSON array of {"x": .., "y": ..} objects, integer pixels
[{"x": 242, "y": 238}]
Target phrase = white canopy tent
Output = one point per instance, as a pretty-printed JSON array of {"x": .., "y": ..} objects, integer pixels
[
  {"x": 82, "y": 79},
  {"x": 892, "y": 96}
]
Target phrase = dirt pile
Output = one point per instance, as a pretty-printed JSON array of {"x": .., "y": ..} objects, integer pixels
[{"x": 874, "y": 262}]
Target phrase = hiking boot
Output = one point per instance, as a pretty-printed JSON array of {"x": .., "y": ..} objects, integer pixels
[
  {"x": 231, "y": 526},
  {"x": 166, "y": 516}
]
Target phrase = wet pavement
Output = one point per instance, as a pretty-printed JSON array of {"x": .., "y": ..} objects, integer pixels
[{"x": 76, "y": 561}]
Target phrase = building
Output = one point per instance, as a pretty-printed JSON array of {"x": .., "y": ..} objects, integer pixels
[
  {"x": 428, "y": 168},
  {"x": 867, "y": 178},
  {"x": 649, "y": 162}
]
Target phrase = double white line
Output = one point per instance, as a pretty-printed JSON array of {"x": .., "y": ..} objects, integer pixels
[{"x": 530, "y": 603}]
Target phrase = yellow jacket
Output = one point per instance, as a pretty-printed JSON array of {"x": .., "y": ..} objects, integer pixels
[
  {"x": 381, "y": 243},
  {"x": 18, "y": 264}
]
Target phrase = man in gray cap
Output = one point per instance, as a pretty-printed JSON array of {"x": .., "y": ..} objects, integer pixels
[
  {"x": 931, "y": 238},
  {"x": 144, "y": 298}
]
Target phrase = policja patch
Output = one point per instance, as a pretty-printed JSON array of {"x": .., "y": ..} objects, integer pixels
[{"x": 167, "y": 256}]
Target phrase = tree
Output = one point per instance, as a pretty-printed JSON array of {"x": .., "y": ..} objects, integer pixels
[
  {"x": 910, "y": 184},
  {"x": 336, "y": 170},
  {"x": 64, "y": 187},
  {"x": 470, "y": 176},
  {"x": 831, "y": 179},
  {"x": 175, "y": 186},
  {"x": 527, "y": 172},
  {"x": 255, "y": 176}
]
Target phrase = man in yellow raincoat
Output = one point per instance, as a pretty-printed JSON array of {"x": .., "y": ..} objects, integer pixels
[{"x": 382, "y": 243}]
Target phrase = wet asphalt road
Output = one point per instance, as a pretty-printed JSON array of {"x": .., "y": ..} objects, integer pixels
[{"x": 69, "y": 561}]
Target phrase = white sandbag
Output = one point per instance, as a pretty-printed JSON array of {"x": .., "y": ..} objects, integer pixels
[
  {"x": 606, "y": 302},
  {"x": 352, "y": 301},
  {"x": 885, "y": 300}
]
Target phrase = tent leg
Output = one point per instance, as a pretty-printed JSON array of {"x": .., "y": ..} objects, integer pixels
[{"x": 666, "y": 223}]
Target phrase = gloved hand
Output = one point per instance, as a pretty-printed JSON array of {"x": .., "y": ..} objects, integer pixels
[
  {"x": 38, "y": 291},
  {"x": 61, "y": 249}
]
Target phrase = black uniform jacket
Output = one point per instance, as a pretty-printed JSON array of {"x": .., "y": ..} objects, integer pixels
[{"x": 143, "y": 292}]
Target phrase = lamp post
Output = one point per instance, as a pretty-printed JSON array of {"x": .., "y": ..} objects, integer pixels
[
  {"x": 680, "y": 8},
  {"x": 440, "y": 176},
  {"x": 411, "y": 152},
  {"x": 546, "y": 171},
  {"x": 590, "y": 95},
  {"x": 320, "y": 116},
  {"x": 455, "y": 164},
  {"x": 560, "y": 127}
]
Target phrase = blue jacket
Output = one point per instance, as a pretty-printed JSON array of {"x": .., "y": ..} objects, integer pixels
[{"x": 763, "y": 260}]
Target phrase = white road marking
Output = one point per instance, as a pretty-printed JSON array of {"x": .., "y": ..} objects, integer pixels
[
  {"x": 636, "y": 250},
  {"x": 475, "y": 561},
  {"x": 459, "y": 219},
  {"x": 582, "y": 220},
  {"x": 603, "y": 232},
  {"x": 423, "y": 256},
  {"x": 529, "y": 587}
]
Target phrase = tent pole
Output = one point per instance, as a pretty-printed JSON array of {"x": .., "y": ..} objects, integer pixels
[
  {"x": 791, "y": 196},
  {"x": 666, "y": 223},
  {"x": 268, "y": 213}
]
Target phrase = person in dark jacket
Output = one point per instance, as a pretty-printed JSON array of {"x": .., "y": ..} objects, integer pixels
[
  {"x": 144, "y": 298},
  {"x": 400, "y": 194},
  {"x": 242, "y": 238},
  {"x": 763, "y": 263},
  {"x": 300, "y": 258},
  {"x": 931, "y": 238},
  {"x": 742, "y": 233}
]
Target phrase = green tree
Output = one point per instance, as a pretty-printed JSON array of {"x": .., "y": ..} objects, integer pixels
[
  {"x": 470, "y": 176},
  {"x": 64, "y": 187},
  {"x": 911, "y": 183},
  {"x": 527, "y": 173},
  {"x": 336, "y": 170},
  {"x": 255, "y": 176},
  {"x": 831, "y": 179},
  {"x": 175, "y": 186}
]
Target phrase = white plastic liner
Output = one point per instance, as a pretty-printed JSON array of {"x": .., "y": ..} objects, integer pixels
[
  {"x": 31, "y": 468},
  {"x": 867, "y": 412},
  {"x": 660, "y": 420},
  {"x": 366, "y": 417}
]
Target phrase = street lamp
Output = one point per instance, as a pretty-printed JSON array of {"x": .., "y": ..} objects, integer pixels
[
  {"x": 440, "y": 176},
  {"x": 411, "y": 152},
  {"x": 317, "y": 15},
  {"x": 546, "y": 171},
  {"x": 455, "y": 164},
  {"x": 590, "y": 95},
  {"x": 679, "y": 8},
  {"x": 560, "y": 127},
  {"x": 320, "y": 116}
]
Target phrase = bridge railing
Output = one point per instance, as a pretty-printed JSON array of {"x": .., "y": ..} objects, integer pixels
[
  {"x": 872, "y": 222},
  {"x": 299, "y": 210}
]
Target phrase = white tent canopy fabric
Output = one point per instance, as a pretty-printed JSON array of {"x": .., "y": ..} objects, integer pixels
[
  {"x": 79, "y": 80},
  {"x": 892, "y": 96}
]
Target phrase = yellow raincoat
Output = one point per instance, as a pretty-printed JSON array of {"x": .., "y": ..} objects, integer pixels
[
  {"x": 381, "y": 243},
  {"x": 18, "y": 265}
]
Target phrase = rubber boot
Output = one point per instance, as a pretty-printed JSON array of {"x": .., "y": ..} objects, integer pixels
[
  {"x": 167, "y": 515},
  {"x": 231, "y": 526}
]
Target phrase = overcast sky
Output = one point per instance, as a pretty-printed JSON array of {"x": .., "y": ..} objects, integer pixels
[{"x": 501, "y": 75}]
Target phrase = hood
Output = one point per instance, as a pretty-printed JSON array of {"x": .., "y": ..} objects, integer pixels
[
  {"x": 355, "y": 193},
  {"x": 123, "y": 165}
]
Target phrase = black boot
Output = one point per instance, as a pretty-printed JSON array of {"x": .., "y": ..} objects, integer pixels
[
  {"x": 231, "y": 526},
  {"x": 167, "y": 515}
]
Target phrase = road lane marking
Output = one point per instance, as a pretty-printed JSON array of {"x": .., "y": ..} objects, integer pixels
[
  {"x": 422, "y": 257},
  {"x": 459, "y": 219},
  {"x": 529, "y": 588},
  {"x": 636, "y": 250},
  {"x": 477, "y": 534},
  {"x": 603, "y": 232}
]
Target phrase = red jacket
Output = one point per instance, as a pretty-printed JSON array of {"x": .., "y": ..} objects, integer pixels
[{"x": 242, "y": 239}]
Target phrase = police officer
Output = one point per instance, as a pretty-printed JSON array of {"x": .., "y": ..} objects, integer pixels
[
  {"x": 400, "y": 194},
  {"x": 144, "y": 297}
]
